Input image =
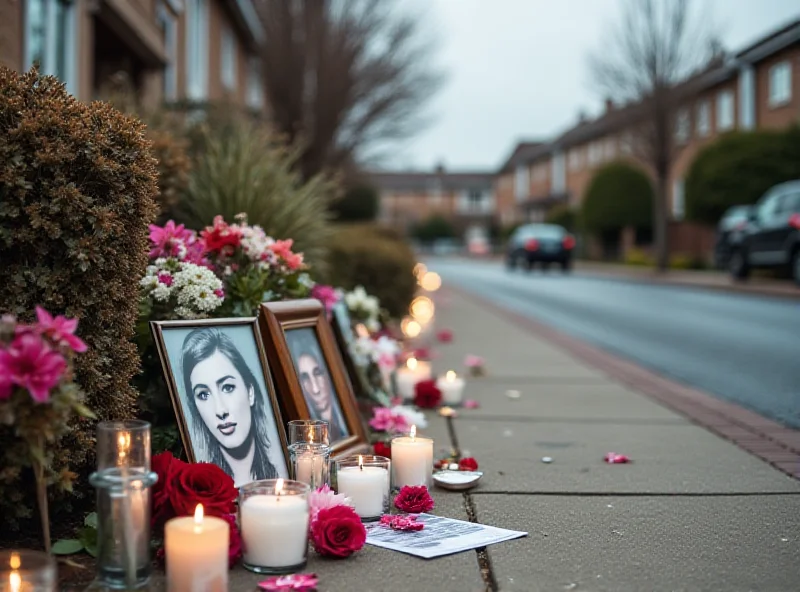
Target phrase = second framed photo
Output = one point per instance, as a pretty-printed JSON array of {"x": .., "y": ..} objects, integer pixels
[
  {"x": 309, "y": 371},
  {"x": 223, "y": 396}
]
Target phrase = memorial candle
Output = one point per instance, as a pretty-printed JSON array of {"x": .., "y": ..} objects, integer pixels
[
  {"x": 197, "y": 553},
  {"x": 452, "y": 388},
  {"x": 365, "y": 480},
  {"x": 412, "y": 460},
  {"x": 409, "y": 375}
]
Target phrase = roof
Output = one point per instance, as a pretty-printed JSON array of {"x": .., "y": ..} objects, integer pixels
[
  {"x": 772, "y": 43},
  {"x": 425, "y": 181},
  {"x": 523, "y": 153}
]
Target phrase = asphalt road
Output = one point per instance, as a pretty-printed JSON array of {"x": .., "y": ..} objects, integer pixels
[{"x": 744, "y": 349}]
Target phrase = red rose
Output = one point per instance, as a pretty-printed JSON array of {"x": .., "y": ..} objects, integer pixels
[
  {"x": 166, "y": 467},
  {"x": 427, "y": 395},
  {"x": 382, "y": 449},
  {"x": 203, "y": 483},
  {"x": 235, "y": 545},
  {"x": 468, "y": 464},
  {"x": 445, "y": 336},
  {"x": 414, "y": 499},
  {"x": 337, "y": 532}
]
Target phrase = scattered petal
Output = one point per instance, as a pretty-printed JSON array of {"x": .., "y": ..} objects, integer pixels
[
  {"x": 400, "y": 522},
  {"x": 614, "y": 458},
  {"x": 471, "y": 404},
  {"x": 445, "y": 336},
  {"x": 290, "y": 583},
  {"x": 512, "y": 394}
]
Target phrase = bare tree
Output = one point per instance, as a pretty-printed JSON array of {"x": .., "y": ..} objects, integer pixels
[
  {"x": 653, "y": 51},
  {"x": 344, "y": 76}
]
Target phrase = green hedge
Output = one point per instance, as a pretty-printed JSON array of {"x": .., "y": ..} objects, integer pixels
[
  {"x": 738, "y": 169},
  {"x": 563, "y": 215},
  {"x": 365, "y": 255},
  {"x": 619, "y": 195},
  {"x": 359, "y": 203},
  {"x": 432, "y": 229}
]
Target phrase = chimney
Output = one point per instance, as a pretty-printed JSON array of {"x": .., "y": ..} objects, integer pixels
[
  {"x": 439, "y": 170},
  {"x": 609, "y": 105}
]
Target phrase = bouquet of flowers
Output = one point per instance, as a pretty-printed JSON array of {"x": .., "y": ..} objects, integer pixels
[
  {"x": 364, "y": 308},
  {"x": 388, "y": 422}
]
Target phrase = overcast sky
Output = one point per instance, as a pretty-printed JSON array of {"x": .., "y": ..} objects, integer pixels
[{"x": 517, "y": 69}]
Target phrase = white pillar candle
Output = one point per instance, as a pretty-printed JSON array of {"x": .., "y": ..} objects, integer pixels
[
  {"x": 310, "y": 465},
  {"x": 452, "y": 388},
  {"x": 274, "y": 530},
  {"x": 197, "y": 553},
  {"x": 367, "y": 487},
  {"x": 412, "y": 460},
  {"x": 409, "y": 375}
]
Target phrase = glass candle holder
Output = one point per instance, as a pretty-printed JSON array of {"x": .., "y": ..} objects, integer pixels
[
  {"x": 24, "y": 570},
  {"x": 273, "y": 519},
  {"x": 366, "y": 481},
  {"x": 308, "y": 431},
  {"x": 310, "y": 464},
  {"x": 412, "y": 460},
  {"x": 123, "y": 480}
]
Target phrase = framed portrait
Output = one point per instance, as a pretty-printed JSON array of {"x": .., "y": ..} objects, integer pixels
[
  {"x": 364, "y": 374},
  {"x": 309, "y": 371},
  {"x": 223, "y": 396}
]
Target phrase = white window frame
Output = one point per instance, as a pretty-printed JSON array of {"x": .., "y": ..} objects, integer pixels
[
  {"x": 678, "y": 199},
  {"x": 683, "y": 126},
  {"x": 703, "y": 118},
  {"x": 227, "y": 59},
  {"x": 521, "y": 182},
  {"x": 170, "y": 25},
  {"x": 197, "y": 35},
  {"x": 255, "y": 90},
  {"x": 780, "y": 84},
  {"x": 51, "y": 52},
  {"x": 725, "y": 110}
]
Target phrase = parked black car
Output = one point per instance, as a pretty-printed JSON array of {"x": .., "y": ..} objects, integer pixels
[
  {"x": 734, "y": 219},
  {"x": 771, "y": 238},
  {"x": 540, "y": 243}
]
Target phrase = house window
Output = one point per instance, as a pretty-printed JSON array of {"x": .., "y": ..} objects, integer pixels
[
  {"x": 574, "y": 159},
  {"x": 595, "y": 152},
  {"x": 626, "y": 143},
  {"x": 780, "y": 84},
  {"x": 682, "y": 126},
  {"x": 678, "y": 199},
  {"x": 166, "y": 21},
  {"x": 725, "y": 110},
  {"x": 50, "y": 39},
  {"x": 255, "y": 91},
  {"x": 703, "y": 119},
  {"x": 521, "y": 183},
  {"x": 228, "y": 59},
  {"x": 611, "y": 148},
  {"x": 197, "y": 50}
]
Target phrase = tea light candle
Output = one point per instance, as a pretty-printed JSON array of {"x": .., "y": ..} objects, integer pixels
[
  {"x": 412, "y": 460},
  {"x": 366, "y": 486},
  {"x": 274, "y": 530},
  {"x": 452, "y": 388},
  {"x": 409, "y": 375},
  {"x": 27, "y": 571},
  {"x": 197, "y": 553}
]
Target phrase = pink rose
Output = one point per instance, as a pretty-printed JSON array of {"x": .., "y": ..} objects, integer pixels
[{"x": 337, "y": 532}]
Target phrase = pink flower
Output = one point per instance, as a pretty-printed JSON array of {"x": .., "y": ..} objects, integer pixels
[
  {"x": 328, "y": 295},
  {"x": 399, "y": 522},
  {"x": 385, "y": 420},
  {"x": 471, "y": 404},
  {"x": 613, "y": 458},
  {"x": 30, "y": 363},
  {"x": 282, "y": 248},
  {"x": 290, "y": 583},
  {"x": 167, "y": 241},
  {"x": 219, "y": 293},
  {"x": 165, "y": 279},
  {"x": 294, "y": 261},
  {"x": 445, "y": 336},
  {"x": 414, "y": 499},
  {"x": 60, "y": 329},
  {"x": 323, "y": 498},
  {"x": 473, "y": 361}
]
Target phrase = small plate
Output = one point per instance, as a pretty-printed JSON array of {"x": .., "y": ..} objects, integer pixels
[{"x": 457, "y": 480}]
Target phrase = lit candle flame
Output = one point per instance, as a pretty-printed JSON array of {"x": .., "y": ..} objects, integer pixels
[
  {"x": 278, "y": 488},
  {"x": 198, "y": 514},
  {"x": 360, "y": 462},
  {"x": 15, "y": 561},
  {"x": 14, "y": 582},
  {"x": 412, "y": 363},
  {"x": 124, "y": 442},
  {"x": 413, "y": 432},
  {"x": 310, "y": 434},
  {"x": 450, "y": 376}
]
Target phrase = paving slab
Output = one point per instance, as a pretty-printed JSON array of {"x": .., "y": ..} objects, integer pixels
[
  {"x": 646, "y": 544},
  {"x": 375, "y": 570},
  {"x": 605, "y": 402},
  {"x": 666, "y": 459}
]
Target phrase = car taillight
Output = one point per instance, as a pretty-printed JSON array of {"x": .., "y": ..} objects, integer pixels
[
  {"x": 794, "y": 221},
  {"x": 569, "y": 242},
  {"x": 531, "y": 244}
]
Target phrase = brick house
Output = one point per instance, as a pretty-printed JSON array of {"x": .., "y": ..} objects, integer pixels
[{"x": 168, "y": 50}]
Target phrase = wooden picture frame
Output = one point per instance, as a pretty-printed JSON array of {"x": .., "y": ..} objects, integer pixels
[
  {"x": 227, "y": 359},
  {"x": 289, "y": 330}
]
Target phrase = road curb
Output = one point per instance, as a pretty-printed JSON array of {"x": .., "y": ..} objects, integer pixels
[{"x": 770, "y": 441}]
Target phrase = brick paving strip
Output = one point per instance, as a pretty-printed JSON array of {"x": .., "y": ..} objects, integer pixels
[{"x": 770, "y": 441}]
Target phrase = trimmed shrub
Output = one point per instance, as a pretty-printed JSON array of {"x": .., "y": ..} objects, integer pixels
[
  {"x": 618, "y": 196},
  {"x": 434, "y": 228},
  {"x": 358, "y": 204},
  {"x": 169, "y": 151},
  {"x": 738, "y": 169},
  {"x": 563, "y": 215},
  {"x": 360, "y": 255},
  {"x": 241, "y": 167},
  {"x": 77, "y": 184}
]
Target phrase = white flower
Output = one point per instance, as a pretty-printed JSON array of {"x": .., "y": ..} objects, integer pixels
[
  {"x": 413, "y": 417},
  {"x": 161, "y": 292},
  {"x": 372, "y": 324},
  {"x": 305, "y": 280}
]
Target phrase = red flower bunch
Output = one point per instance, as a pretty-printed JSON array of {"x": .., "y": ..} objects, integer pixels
[
  {"x": 221, "y": 238},
  {"x": 468, "y": 464},
  {"x": 382, "y": 449},
  {"x": 427, "y": 395},
  {"x": 337, "y": 532},
  {"x": 181, "y": 486},
  {"x": 400, "y": 522},
  {"x": 414, "y": 499}
]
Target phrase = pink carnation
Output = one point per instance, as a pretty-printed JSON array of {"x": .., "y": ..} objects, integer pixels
[
  {"x": 30, "y": 363},
  {"x": 385, "y": 420},
  {"x": 400, "y": 522},
  {"x": 283, "y": 249},
  {"x": 328, "y": 295},
  {"x": 60, "y": 330},
  {"x": 324, "y": 498}
]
